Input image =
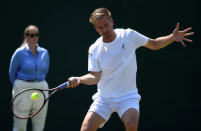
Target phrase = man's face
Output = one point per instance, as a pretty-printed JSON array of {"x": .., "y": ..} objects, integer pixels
[{"x": 105, "y": 27}]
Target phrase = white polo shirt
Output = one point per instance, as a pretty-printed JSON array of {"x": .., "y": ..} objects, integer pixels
[{"x": 117, "y": 62}]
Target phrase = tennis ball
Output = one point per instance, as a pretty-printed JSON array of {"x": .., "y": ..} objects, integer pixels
[{"x": 35, "y": 96}]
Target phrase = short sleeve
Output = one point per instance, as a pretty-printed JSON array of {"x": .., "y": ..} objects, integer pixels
[
  {"x": 136, "y": 38},
  {"x": 93, "y": 62}
]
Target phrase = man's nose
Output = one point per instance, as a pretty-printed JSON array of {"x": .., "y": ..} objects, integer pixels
[{"x": 104, "y": 30}]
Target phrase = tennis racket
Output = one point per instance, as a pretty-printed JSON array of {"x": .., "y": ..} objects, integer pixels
[{"x": 23, "y": 98}]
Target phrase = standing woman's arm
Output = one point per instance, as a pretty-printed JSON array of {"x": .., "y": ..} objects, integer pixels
[
  {"x": 14, "y": 65},
  {"x": 47, "y": 59}
]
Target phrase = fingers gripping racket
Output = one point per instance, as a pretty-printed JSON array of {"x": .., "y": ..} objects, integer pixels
[{"x": 24, "y": 99}]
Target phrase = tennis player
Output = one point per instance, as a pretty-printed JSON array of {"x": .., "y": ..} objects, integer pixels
[
  {"x": 112, "y": 66},
  {"x": 28, "y": 69}
]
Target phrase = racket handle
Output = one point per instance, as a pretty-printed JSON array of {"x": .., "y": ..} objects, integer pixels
[{"x": 62, "y": 86}]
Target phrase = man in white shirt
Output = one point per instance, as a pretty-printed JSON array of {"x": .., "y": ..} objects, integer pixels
[{"x": 112, "y": 66}]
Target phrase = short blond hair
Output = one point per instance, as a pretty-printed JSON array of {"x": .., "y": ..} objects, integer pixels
[{"x": 98, "y": 14}]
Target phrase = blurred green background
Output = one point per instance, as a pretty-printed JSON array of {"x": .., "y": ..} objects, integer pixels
[{"x": 168, "y": 79}]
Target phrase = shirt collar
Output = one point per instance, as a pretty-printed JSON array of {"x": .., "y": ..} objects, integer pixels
[{"x": 28, "y": 49}]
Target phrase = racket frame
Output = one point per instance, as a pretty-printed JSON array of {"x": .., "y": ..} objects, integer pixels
[{"x": 60, "y": 87}]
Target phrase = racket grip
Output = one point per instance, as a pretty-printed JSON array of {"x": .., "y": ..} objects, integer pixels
[{"x": 64, "y": 85}]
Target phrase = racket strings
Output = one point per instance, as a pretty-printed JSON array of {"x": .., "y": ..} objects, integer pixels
[{"x": 24, "y": 106}]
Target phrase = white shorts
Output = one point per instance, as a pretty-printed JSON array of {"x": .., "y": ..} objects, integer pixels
[{"x": 105, "y": 107}]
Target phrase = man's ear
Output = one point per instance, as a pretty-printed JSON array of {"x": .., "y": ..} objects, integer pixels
[
  {"x": 94, "y": 27},
  {"x": 112, "y": 21}
]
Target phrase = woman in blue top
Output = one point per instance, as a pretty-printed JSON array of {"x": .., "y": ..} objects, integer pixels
[{"x": 28, "y": 69}]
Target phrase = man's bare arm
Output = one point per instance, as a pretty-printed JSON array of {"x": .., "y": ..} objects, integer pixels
[
  {"x": 88, "y": 79},
  {"x": 177, "y": 35}
]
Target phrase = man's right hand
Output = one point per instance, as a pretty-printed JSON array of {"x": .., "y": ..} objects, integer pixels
[{"x": 74, "y": 81}]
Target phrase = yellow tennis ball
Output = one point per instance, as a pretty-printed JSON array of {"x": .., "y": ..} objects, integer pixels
[{"x": 35, "y": 96}]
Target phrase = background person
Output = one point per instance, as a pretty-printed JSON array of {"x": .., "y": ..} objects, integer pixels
[{"x": 28, "y": 69}]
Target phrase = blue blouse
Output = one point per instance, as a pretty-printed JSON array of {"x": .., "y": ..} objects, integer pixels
[{"x": 24, "y": 65}]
